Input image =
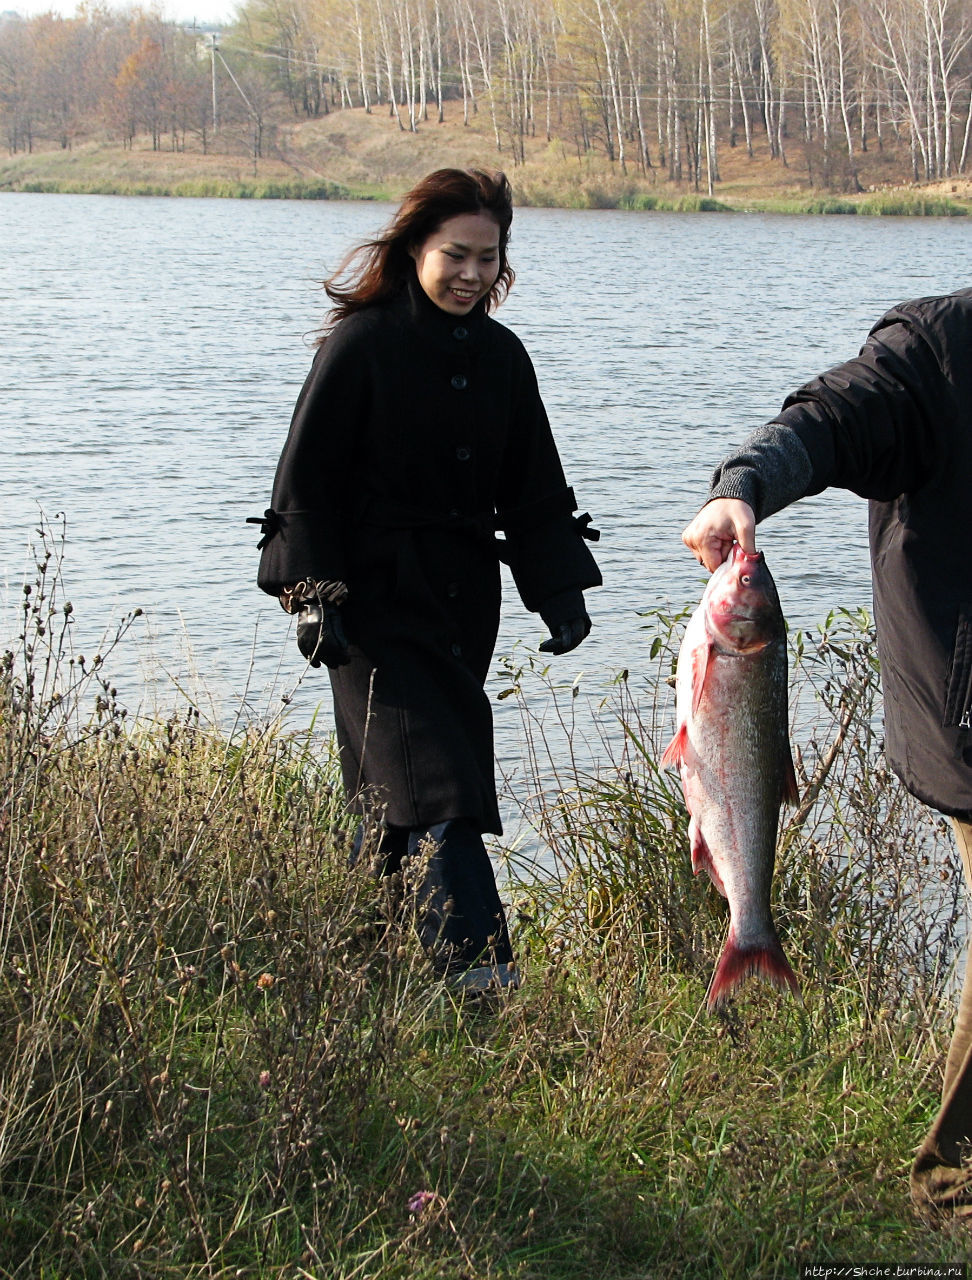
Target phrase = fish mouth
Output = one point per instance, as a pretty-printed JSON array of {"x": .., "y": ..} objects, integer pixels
[{"x": 752, "y": 556}]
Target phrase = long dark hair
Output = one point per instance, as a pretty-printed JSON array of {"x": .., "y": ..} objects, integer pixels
[{"x": 378, "y": 268}]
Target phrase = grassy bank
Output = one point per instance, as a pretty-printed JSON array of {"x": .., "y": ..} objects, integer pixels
[
  {"x": 905, "y": 204},
  {"x": 351, "y": 154},
  {"x": 223, "y": 1054},
  {"x": 199, "y": 188}
]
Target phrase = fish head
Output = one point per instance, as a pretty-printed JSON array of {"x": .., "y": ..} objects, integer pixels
[{"x": 742, "y": 607}]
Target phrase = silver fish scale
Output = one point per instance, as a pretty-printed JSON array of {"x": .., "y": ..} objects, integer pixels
[{"x": 738, "y": 739}]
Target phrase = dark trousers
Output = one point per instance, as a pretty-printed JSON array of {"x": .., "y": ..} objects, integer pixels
[{"x": 459, "y": 916}]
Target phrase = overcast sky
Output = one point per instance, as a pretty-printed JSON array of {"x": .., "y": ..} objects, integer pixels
[{"x": 177, "y": 10}]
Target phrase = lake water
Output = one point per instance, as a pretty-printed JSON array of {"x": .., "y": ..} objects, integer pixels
[{"x": 152, "y": 351}]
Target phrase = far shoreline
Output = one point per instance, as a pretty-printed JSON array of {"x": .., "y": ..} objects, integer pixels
[
  {"x": 355, "y": 155},
  {"x": 891, "y": 202}
]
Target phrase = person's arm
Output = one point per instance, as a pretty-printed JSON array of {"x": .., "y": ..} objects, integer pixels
[
  {"x": 867, "y": 425},
  {"x": 546, "y": 545},
  {"x": 304, "y": 528}
]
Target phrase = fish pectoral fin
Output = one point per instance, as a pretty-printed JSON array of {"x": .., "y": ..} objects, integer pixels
[
  {"x": 702, "y": 859},
  {"x": 675, "y": 751},
  {"x": 791, "y": 791},
  {"x": 700, "y": 665}
]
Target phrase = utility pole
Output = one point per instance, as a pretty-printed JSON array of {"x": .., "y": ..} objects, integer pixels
[{"x": 212, "y": 50}]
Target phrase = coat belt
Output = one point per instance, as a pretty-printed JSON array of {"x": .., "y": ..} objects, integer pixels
[{"x": 395, "y": 515}]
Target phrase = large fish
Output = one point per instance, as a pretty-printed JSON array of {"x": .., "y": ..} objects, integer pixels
[{"x": 733, "y": 753}]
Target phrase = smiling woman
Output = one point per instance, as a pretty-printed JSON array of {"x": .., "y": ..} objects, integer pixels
[
  {"x": 418, "y": 435},
  {"x": 448, "y": 220}
]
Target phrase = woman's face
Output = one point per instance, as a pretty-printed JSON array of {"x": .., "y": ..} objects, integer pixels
[{"x": 459, "y": 262}]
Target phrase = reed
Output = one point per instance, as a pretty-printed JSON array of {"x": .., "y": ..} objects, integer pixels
[
  {"x": 604, "y": 191},
  {"x": 908, "y": 205},
  {"x": 220, "y": 188},
  {"x": 542, "y": 185},
  {"x": 222, "y": 1052}
]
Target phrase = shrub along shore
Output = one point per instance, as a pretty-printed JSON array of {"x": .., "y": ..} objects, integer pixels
[
  {"x": 900, "y": 203},
  {"x": 223, "y": 1054}
]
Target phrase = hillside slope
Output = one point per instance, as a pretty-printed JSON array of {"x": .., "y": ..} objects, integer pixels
[{"x": 354, "y": 153}]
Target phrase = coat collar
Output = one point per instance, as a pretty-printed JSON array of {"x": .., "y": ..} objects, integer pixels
[{"x": 436, "y": 323}]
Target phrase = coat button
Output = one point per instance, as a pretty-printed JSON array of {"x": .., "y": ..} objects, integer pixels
[
  {"x": 463, "y": 454},
  {"x": 460, "y": 381},
  {"x": 457, "y": 650},
  {"x": 460, "y": 332}
]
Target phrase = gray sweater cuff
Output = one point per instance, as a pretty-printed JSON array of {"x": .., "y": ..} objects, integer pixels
[{"x": 770, "y": 470}]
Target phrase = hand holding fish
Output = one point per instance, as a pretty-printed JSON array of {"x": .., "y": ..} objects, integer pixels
[{"x": 717, "y": 526}]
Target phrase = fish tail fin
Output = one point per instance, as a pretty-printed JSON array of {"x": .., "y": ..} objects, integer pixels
[
  {"x": 675, "y": 750},
  {"x": 738, "y": 963}
]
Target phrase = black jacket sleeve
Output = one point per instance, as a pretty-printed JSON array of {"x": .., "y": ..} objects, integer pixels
[
  {"x": 304, "y": 529},
  {"x": 546, "y": 546},
  {"x": 868, "y": 425}
]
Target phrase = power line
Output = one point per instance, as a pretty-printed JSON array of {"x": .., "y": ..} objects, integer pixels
[{"x": 649, "y": 94}]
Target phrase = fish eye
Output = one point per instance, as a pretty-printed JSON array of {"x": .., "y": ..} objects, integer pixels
[{"x": 745, "y": 579}]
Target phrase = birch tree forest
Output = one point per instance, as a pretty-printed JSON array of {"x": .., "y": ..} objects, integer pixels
[{"x": 661, "y": 88}]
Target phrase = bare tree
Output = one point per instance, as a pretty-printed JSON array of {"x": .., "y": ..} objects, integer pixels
[{"x": 895, "y": 37}]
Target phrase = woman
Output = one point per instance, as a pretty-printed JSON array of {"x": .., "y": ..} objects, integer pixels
[{"x": 418, "y": 435}]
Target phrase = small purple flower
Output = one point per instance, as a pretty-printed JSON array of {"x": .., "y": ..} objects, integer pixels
[{"x": 420, "y": 1200}]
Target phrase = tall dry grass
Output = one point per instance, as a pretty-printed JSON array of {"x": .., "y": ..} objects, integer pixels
[{"x": 222, "y": 1052}]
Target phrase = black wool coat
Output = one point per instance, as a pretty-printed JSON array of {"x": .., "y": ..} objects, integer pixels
[
  {"x": 417, "y": 435},
  {"x": 895, "y": 426}
]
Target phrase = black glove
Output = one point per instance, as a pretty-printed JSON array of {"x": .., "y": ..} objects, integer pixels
[
  {"x": 320, "y": 634},
  {"x": 567, "y": 621},
  {"x": 568, "y": 635}
]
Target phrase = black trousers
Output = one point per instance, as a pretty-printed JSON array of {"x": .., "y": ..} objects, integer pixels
[{"x": 460, "y": 918}]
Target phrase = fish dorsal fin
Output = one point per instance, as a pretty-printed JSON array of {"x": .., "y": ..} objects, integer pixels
[
  {"x": 675, "y": 751},
  {"x": 700, "y": 665}
]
